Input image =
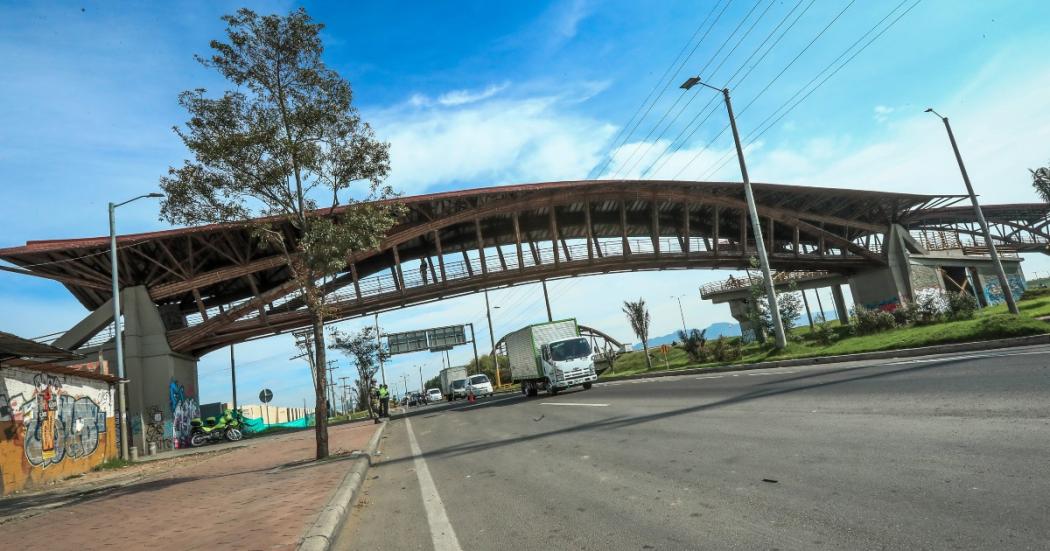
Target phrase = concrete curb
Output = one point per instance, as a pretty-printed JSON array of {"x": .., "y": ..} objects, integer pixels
[
  {"x": 879, "y": 355},
  {"x": 331, "y": 518}
]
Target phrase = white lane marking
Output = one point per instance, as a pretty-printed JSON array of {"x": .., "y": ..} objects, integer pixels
[
  {"x": 573, "y": 404},
  {"x": 479, "y": 404},
  {"x": 441, "y": 532},
  {"x": 710, "y": 377},
  {"x": 969, "y": 357}
]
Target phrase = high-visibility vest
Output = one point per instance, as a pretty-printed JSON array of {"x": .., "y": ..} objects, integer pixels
[{"x": 383, "y": 393}]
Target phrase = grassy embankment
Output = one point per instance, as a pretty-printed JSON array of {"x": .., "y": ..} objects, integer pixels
[{"x": 988, "y": 324}]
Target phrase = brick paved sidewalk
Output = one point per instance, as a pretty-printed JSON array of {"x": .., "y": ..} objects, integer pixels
[{"x": 262, "y": 496}]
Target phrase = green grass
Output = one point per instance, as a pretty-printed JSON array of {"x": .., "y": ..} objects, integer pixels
[
  {"x": 990, "y": 323},
  {"x": 114, "y": 463}
]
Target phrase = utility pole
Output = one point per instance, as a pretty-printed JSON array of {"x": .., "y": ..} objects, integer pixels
[
  {"x": 756, "y": 223},
  {"x": 547, "y": 300},
  {"x": 344, "y": 379},
  {"x": 492, "y": 337},
  {"x": 379, "y": 343},
  {"x": 332, "y": 366},
  {"x": 422, "y": 388},
  {"x": 473, "y": 343},
  {"x": 233, "y": 378},
  {"x": 1003, "y": 281}
]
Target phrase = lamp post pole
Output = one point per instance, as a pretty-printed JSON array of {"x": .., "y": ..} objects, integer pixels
[
  {"x": 1003, "y": 281},
  {"x": 118, "y": 337},
  {"x": 681, "y": 312},
  {"x": 756, "y": 224}
]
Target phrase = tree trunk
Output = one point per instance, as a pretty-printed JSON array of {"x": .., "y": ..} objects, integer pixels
[
  {"x": 320, "y": 389},
  {"x": 648, "y": 360}
]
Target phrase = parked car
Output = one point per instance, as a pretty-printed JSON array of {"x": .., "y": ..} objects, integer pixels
[
  {"x": 433, "y": 394},
  {"x": 480, "y": 385},
  {"x": 459, "y": 388},
  {"x": 416, "y": 399}
]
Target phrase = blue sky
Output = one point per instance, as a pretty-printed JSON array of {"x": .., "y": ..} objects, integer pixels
[{"x": 471, "y": 95}]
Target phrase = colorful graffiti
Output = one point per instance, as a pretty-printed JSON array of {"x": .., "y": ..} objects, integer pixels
[
  {"x": 155, "y": 427},
  {"x": 184, "y": 410},
  {"x": 993, "y": 291},
  {"x": 53, "y": 424},
  {"x": 888, "y": 305}
]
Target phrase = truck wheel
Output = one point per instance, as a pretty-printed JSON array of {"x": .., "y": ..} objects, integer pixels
[
  {"x": 524, "y": 389},
  {"x": 586, "y": 386},
  {"x": 551, "y": 391}
]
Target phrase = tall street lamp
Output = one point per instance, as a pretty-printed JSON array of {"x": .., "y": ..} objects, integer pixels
[
  {"x": 756, "y": 224},
  {"x": 117, "y": 329},
  {"x": 1003, "y": 282},
  {"x": 681, "y": 312}
]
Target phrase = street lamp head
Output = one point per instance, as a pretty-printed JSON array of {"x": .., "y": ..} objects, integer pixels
[
  {"x": 931, "y": 110},
  {"x": 690, "y": 82},
  {"x": 156, "y": 195}
]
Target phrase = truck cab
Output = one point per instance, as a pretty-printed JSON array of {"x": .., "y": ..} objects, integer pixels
[{"x": 568, "y": 362}]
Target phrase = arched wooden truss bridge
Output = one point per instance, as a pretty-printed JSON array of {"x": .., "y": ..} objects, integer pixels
[{"x": 214, "y": 285}]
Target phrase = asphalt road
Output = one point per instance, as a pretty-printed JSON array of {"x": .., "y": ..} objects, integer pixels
[{"x": 948, "y": 452}]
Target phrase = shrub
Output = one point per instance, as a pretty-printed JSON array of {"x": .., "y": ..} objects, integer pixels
[
  {"x": 722, "y": 351},
  {"x": 695, "y": 345},
  {"x": 867, "y": 322},
  {"x": 823, "y": 333},
  {"x": 961, "y": 306},
  {"x": 931, "y": 305},
  {"x": 904, "y": 314}
]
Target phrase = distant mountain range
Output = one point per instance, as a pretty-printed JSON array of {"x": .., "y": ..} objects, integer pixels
[
  {"x": 718, "y": 329},
  {"x": 714, "y": 331}
]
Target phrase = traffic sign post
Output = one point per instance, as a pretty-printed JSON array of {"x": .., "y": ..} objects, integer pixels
[{"x": 265, "y": 395}]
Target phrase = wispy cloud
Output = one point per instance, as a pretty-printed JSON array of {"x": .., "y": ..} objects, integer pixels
[{"x": 475, "y": 138}]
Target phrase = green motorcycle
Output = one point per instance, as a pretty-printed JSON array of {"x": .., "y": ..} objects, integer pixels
[{"x": 229, "y": 426}]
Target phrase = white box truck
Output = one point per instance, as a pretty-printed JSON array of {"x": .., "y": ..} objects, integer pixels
[
  {"x": 550, "y": 356},
  {"x": 450, "y": 374}
]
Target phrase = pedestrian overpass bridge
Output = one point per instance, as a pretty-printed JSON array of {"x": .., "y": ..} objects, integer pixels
[
  {"x": 188, "y": 291},
  {"x": 214, "y": 285}
]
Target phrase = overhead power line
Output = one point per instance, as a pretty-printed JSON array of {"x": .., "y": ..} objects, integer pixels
[
  {"x": 767, "y": 123},
  {"x": 678, "y": 142},
  {"x": 628, "y": 166},
  {"x": 667, "y": 84},
  {"x": 775, "y": 78}
]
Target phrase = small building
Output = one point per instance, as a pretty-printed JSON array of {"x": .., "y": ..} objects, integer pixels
[{"x": 55, "y": 420}]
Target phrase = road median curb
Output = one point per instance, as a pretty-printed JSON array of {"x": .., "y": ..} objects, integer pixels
[
  {"x": 862, "y": 356},
  {"x": 331, "y": 518}
]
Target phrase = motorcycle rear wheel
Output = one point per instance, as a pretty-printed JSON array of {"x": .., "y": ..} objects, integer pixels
[{"x": 198, "y": 440}]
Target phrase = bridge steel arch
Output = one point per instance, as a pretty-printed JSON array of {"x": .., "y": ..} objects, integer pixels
[{"x": 215, "y": 285}]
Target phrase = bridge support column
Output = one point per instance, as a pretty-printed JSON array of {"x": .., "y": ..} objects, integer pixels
[
  {"x": 162, "y": 392},
  {"x": 840, "y": 304}
]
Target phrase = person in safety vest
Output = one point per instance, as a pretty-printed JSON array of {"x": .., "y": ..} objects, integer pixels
[{"x": 384, "y": 400}]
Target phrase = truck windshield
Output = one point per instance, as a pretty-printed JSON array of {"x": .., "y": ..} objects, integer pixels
[
  {"x": 478, "y": 380},
  {"x": 570, "y": 350},
  {"x": 459, "y": 383}
]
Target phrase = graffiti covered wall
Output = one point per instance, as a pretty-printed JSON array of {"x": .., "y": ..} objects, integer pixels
[{"x": 52, "y": 426}]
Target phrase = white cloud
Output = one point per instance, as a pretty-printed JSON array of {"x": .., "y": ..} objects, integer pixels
[
  {"x": 882, "y": 113},
  {"x": 489, "y": 139},
  {"x": 462, "y": 97}
]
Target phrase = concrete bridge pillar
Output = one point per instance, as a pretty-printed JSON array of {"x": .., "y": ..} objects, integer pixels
[
  {"x": 162, "y": 390},
  {"x": 840, "y": 304}
]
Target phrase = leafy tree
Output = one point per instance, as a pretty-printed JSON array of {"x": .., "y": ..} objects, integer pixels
[
  {"x": 790, "y": 306},
  {"x": 364, "y": 350},
  {"x": 1041, "y": 182},
  {"x": 638, "y": 316},
  {"x": 487, "y": 369},
  {"x": 282, "y": 143}
]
